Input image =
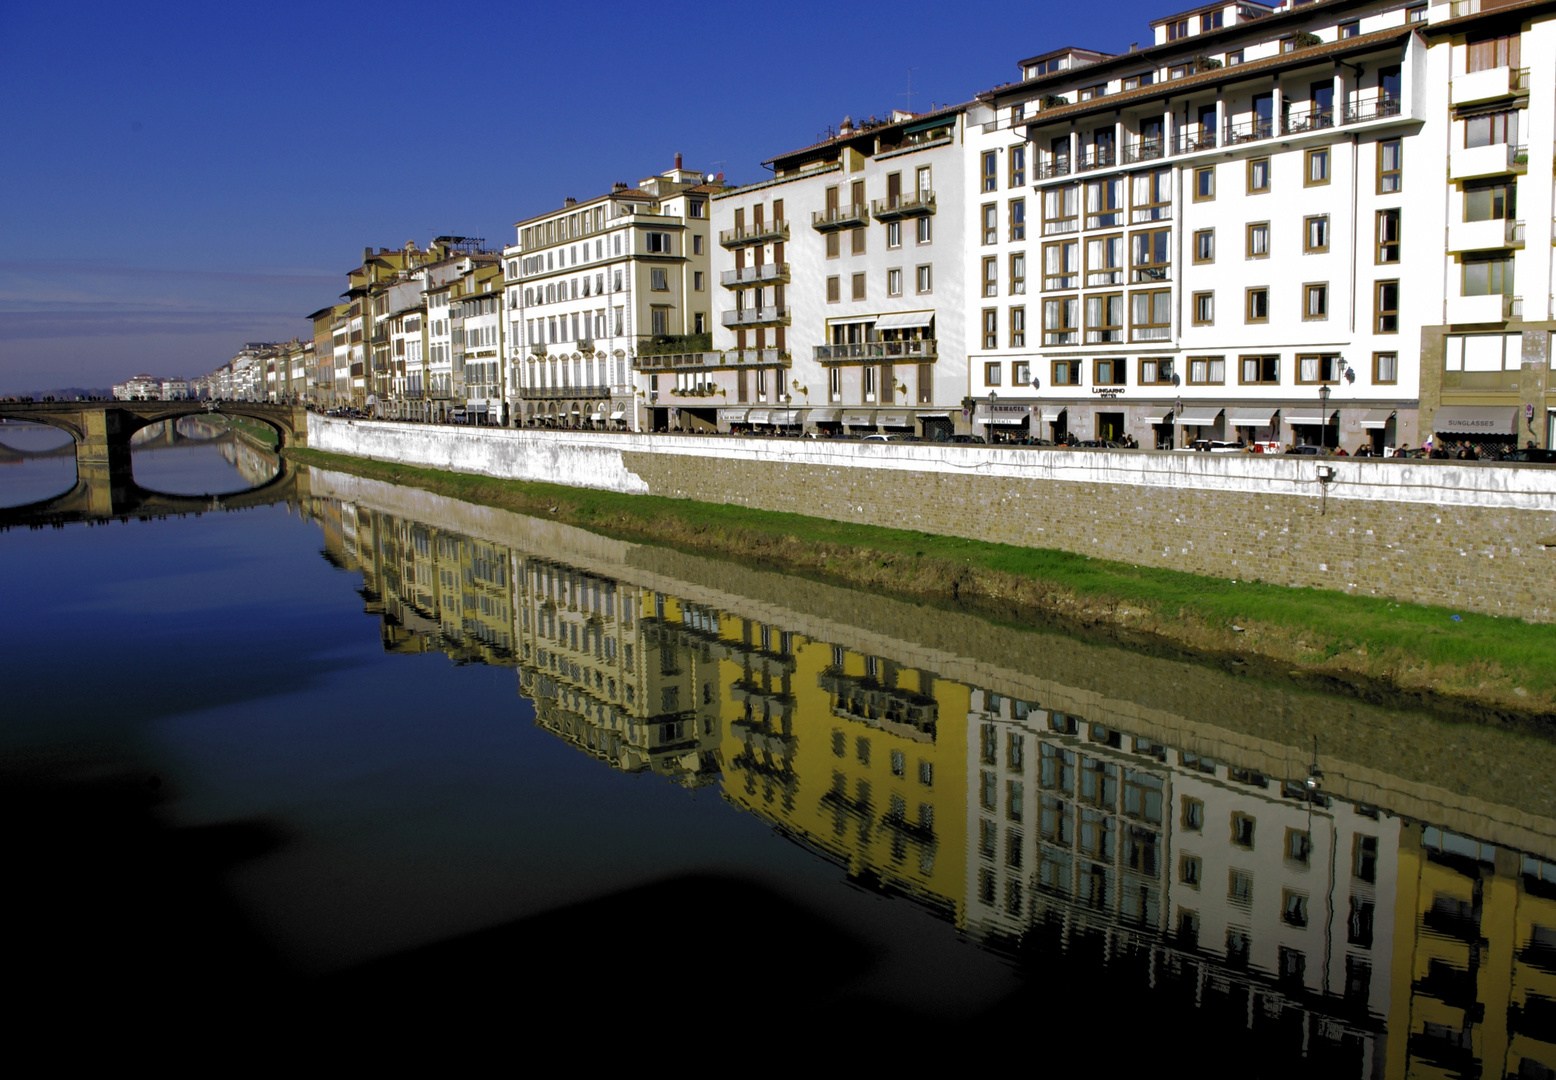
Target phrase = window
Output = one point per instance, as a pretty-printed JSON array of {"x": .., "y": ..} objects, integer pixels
[
  {"x": 991, "y": 173},
  {"x": 856, "y": 241},
  {"x": 660, "y": 318},
  {"x": 858, "y": 287},
  {"x": 1190, "y": 869},
  {"x": 1260, "y": 370},
  {"x": 1148, "y": 255},
  {"x": 991, "y": 225},
  {"x": 1385, "y": 368},
  {"x": 1105, "y": 260},
  {"x": 991, "y": 372},
  {"x": 1491, "y": 129},
  {"x": 894, "y": 281},
  {"x": 1020, "y": 371},
  {"x": 925, "y": 230},
  {"x": 1259, "y": 240},
  {"x": 1204, "y": 309},
  {"x": 991, "y": 329},
  {"x": 1315, "y": 234},
  {"x": 1105, "y": 203},
  {"x": 835, "y": 384},
  {"x": 925, "y": 278},
  {"x": 1135, "y": 82},
  {"x": 1210, "y": 21},
  {"x": 1158, "y": 372},
  {"x": 834, "y": 245},
  {"x": 1493, "y": 52},
  {"x": 1207, "y": 370},
  {"x": 1060, "y": 207},
  {"x": 1315, "y": 301},
  {"x": 1242, "y": 830},
  {"x": 1108, "y": 372},
  {"x": 1177, "y": 28},
  {"x": 1018, "y": 333},
  {"x": 1018, "y": 219},
  {"x": 1065, "y": 373},
  {"x": 1488, "y": 275},
  {"x": 1234, "y": 58},
  {"x": 1061, "y": 320},
  {"x": 1389, "y": 167},
  {"x": 1293, "y": 908},
  {"x": 894, "y": 234},
  {"x": 657, "y": 281},
  {"x": 1388, "y": 237},
  {"x": 1317, "y": 167},
  {"x": 834, "y": 289},
  {"x": 1151, "y": 196},
  {"x": 1018, "y": 166},
  {"x": 1104, "y": 318},
  {"x": 1018, "y": 274},
  {"x": 657, "y": 243},
  {"x": 1239, "y": 883},
  {"x": 1150, "y": 315},
  {"x": 1061, "y": 268},
  {"x": 1350, "y": 29},
  {"x": 1205, "y": 183},
  {"x": 697, "y": 281},
  {"x": 1318, "y": 369},
  {"x": 1205, "y": 245},
  {"x": 1387, "y": 307},
  {"x": 1491, "y": 200},
  {"x": 1258, "y": 175}
]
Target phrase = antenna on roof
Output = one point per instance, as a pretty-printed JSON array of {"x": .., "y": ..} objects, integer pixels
[{"x": 908, "y": 93}]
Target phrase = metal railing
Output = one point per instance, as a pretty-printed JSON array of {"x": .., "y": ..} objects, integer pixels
[
  {"x": 1056, "y": 165},
  {"x": 1144, "y": 150},
  {"x": 920, "y": 349},
  {"x": 1096, "y": 157},
  {"x": 753, "y": 275},
  {"x": 841, "y": 217},
  {"x": 908, "y": 203},
  {"x": 777, "y": 229},
  {"x": 1517, "y": 158},
  {"x": 1378, "y": 108},
  {"x": 1295, "y": 123},
  {"x": 556, "y": 393},
  {"x": 1514, "y": 232},
  {"x": 1188, "y": 142},
  {"x": 755, "y": 316},
  {"x": 1244, "y": 131}
]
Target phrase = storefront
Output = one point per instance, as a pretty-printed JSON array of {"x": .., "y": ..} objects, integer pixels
[
  {"x": 1006, "y": 422},
  {"x": 1200, "y": 422},
  {"x": 937, "y": 426},
  {"x": 895, "y": 423},
  {"x": 1053, "y": 419},
  {"x": 1487, "y": 429},
  {"x": 1380, "y": 426},
  {"x": 859, "y": 423},
  {"x": 787, "y": 421},
  {"x": 1158, "y": 423},
  {"x": 824, "y": 421},
  {"x": 1258, "y": 426},
  {"x": 1312, "y": 426}
]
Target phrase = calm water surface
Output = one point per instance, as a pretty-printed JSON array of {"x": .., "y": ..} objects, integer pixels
[{"x": 396, "y": 757}]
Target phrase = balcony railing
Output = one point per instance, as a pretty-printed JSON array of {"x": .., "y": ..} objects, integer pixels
[
  {"x": 1517, "y": 158},
  {"x": 764, "y": 274},
  {"x": 1514, "y": 231},
  {"x": 841, "y": 217},
  {"x": 1244, "y": 131},
  {"x": 1378, "y": 108},
  {"x": 1298, "y": 121},
  {"x": 1188, "y": 142},
  {"x": 660, "y": 362},
  {"x": 908, "y": 204},
  {"x": 762, "y": 316},
  {"x": 1151, "y": 333},
  {"x": 757, "y": 233},
  {"x": 1096, "y": 157},
  {"x": 921, "y": 349},
  {"x": 1144, "y": 150},
  {"x": 1056, "y": 165},
  {"x": 556, "y": 393}
]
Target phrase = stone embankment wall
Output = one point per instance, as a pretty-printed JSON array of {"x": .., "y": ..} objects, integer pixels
[{"x": 1480, "y": 537}]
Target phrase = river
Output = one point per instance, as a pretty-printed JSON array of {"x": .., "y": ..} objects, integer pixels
[{"x": 410, "y": 757}]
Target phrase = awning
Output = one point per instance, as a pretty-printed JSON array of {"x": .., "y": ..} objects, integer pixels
[
  {"x": 1476, "y": 419},
  {"x": 619, "y": 414},
  {"x": 1250, "y": 417},
  {"x": 597, "y": 417},
  {"x": 1157, "y": 414},
  {"x": 1051, "y": 414},
  {"x": 1377, "y": 418},
  {"x": 934, "y": 416},
  {"x": 823, "y": 416},
  {"x": 759, "y": 416},
  {"x": 894, "y": 419},
  {"x": 1199, "y": 415},
  {"x": 859, "y": 419},
  {"x": 1007, "y": 418},
  {"x": 1306, "y": 414},
  {"x": 732, "y": 416},
  {"x": 908, "y": 320},
  {"x": 786, "y": 417}
]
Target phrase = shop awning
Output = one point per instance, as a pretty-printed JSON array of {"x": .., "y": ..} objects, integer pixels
[
  {"x": 1250, "y": 417},
  {"x": 908, "y": 320},
  {"x": 1199, "y": 415},
  {"x": 786, "y": 417},
  {"x": 1157, "y": 414},
  {"x": 759, "y": 416},
  {"x": 596, "y": 417},
  {"x": 1476, "y": 419},
  {"x": 894, "y": 419},
  {"x": 934, "y": 416},
  {"x": 1009, "y": 418},
  {"x": 823, "y": 416},
  {"x": 1309, "y": 415},
  {"x": 1051, "y": 414},
  {"x": 619, "y": 414},
  {"x": 859, "y": 419},
  {"x": 1377, "y": 418},
  {"x": 732, "y": 416}
]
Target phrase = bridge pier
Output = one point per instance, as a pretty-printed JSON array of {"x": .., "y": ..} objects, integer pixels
[{"x": 104, "y": 473}]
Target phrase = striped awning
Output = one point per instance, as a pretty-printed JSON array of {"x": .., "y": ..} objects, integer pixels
[{"x": 759, "y": 416}]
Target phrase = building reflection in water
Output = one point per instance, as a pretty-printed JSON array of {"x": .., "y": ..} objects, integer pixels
[{"x": 1371, "y": 943}]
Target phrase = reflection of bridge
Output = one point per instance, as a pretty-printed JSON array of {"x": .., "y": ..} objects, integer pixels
[{"x": 105, "y": 482}]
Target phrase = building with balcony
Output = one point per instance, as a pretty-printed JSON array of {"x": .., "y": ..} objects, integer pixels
[
  {"x": 598, "y": 287},
  {"x": 840, "y": 300}
]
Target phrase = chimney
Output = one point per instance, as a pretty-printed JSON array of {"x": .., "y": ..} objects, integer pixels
[
  {"x": 677, "y": 162},
  {"x": 367, "y": 253},
  {"x": 619, "y": 186},
  {"x": 569, "y": 201}
]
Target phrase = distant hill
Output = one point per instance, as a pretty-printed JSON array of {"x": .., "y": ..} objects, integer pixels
[{"x": 69, "y": 393}]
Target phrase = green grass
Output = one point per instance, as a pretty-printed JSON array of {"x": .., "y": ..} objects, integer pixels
[
  {"x": 259, "y": 432},
  {"x": 1408, "y": 646}
]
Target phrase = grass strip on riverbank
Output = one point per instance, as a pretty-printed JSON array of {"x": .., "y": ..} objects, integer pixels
[
  {"x": 261, "y": 433},
  {"x": 1364, "y": 642}
]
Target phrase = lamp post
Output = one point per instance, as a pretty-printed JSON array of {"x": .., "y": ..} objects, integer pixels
[
  {"x": 988, "y": 423},
  {"x": 1323, "y": 416}
]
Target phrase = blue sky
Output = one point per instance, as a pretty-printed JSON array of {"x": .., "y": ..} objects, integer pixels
[{"x": 178, "y": 178}]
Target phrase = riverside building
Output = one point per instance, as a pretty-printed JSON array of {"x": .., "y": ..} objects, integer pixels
[
  {"x": 598, "y": 285},
  {"x": 840, "y": 303},
  {"x": 1245, "y": 230}
]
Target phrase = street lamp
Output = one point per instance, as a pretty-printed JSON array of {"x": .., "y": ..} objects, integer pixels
[
  {"x": 988, "y": 423},
  {"x": 1323, "y": 415}
]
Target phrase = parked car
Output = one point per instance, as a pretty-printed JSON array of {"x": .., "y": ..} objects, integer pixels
[
  {"x": 966, "y": 439},
  {"x": 1308, "y": 451},
  {"x": 1532, "y": 455}
]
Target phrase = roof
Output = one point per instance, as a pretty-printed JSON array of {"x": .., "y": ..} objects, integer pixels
[
  {"x": 629, "y": 194},
  {"x": 915, "y": 120},
  {"x": 1223, "y": 74},
  {"x": 1051, "y": 53},
  {"x": 1517, "y": 9},
  {"x": 1268, "y": 9}
]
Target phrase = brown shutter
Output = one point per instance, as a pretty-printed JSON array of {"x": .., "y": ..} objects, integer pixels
[
  {"x": 777, "y": 209},
  {"x": 858, "y": 192}
]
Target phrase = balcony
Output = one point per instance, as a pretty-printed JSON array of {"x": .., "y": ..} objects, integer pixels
[
  {"x": 841, "y": 217},
  {"x": 910, "y": 204},
  {"x": 1096, "y": 157},
  {"x": 1470, "y": 162},
  {"x": 557, "y": 393},
  {"x": 1301, "y": 121},
  {"x": 904, "y": 351},
  {"x": 1484, "y": 309},
  {"x": 745, "y": 277},
  {"x": 1378, "y": 108},
  {"x": 762, "y": 316},
  {"x": 1057, "y": 165},
  {"x": 1189, "y": 142},
  {"x": 733, "y": 358},
  {"x": 1484, "y": 235},
  {"x": 759, "y": 232},
  {"x": 1488, "y": 85},
  {"x": 1246, "y": 131},
  {"x": 1144, "y": 150}
]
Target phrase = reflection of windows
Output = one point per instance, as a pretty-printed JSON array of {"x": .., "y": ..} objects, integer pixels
[
  {"x": 1238, "y": 943},
  {"x": 1299, "y": 846},
  {"x": 926, "y": 773},
  {"x": 1242, "y": 830},
  {"x": 1293, "y": 964},
  {"x": 1358, "y": 925},
  {"x": 1192, "y": 815},
  {"x": 1189, "y": 869},
  {"x": 1364, "y": 857},
  {"x": 1239, "y": 887},
  {"x": 1293, "y": 907},
  {"x": 899, "y": 763}
]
